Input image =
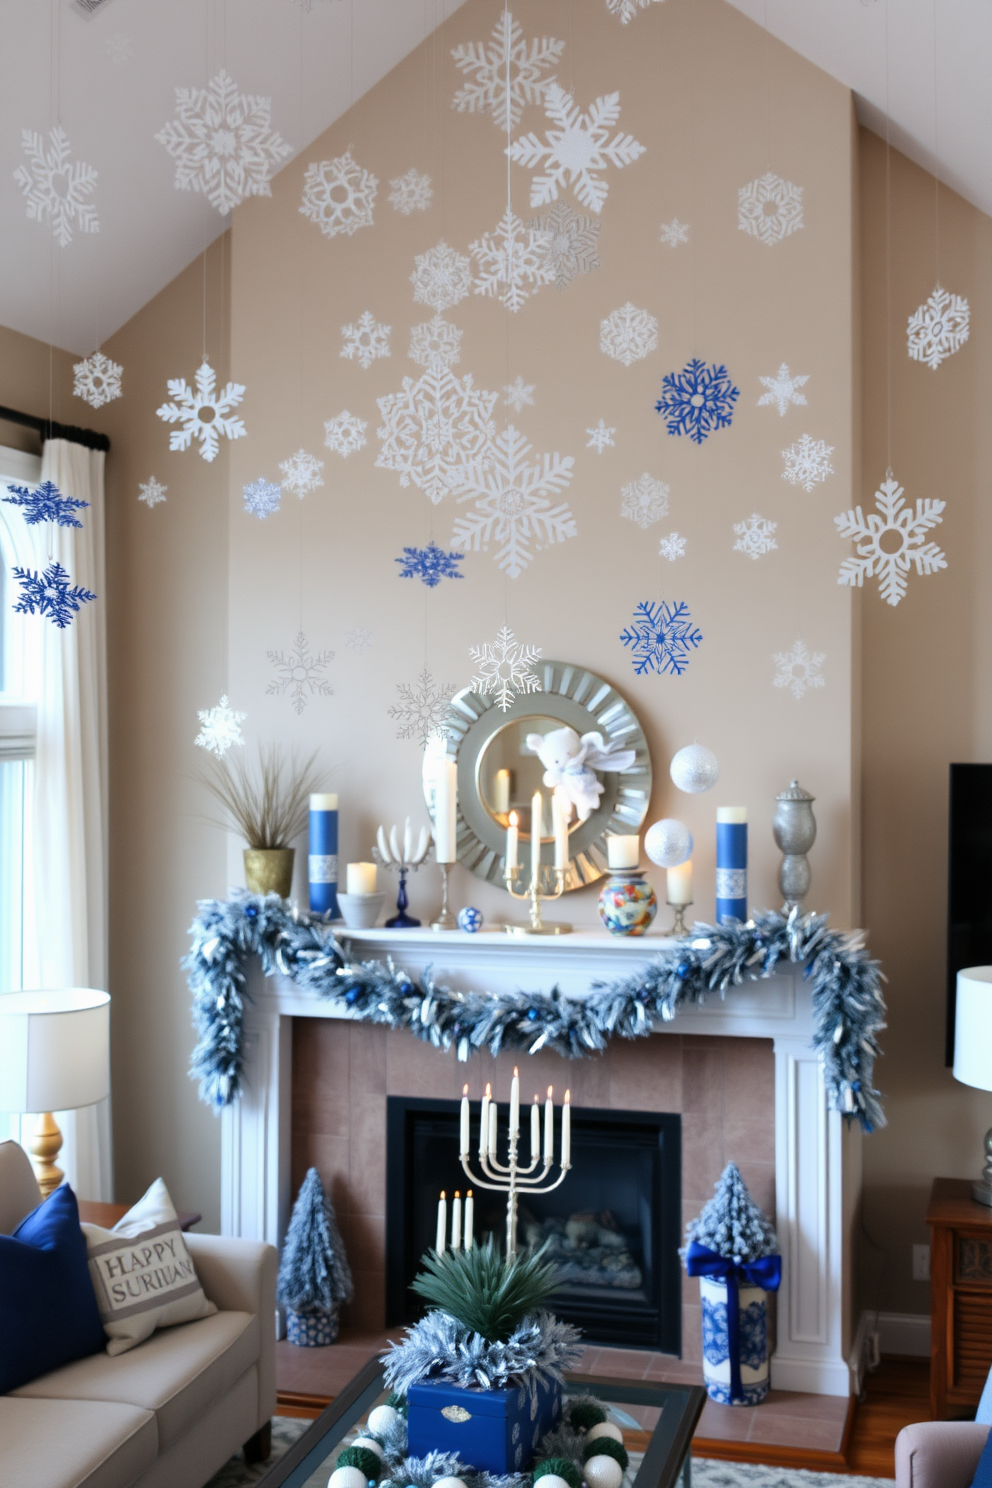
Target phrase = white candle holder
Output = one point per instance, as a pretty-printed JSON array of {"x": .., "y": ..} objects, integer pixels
[
  {"x": 545, "y": 883},
  {"x": 510, "y": 1177}
]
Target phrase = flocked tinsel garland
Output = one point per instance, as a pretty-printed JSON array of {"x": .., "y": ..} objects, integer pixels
[
  {"x": 848, "y": 1007},
  {"x": 538, "y": 1350}
]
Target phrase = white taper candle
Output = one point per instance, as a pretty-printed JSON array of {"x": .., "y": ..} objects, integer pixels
[
  {"x": 464, "y": 1147},
  {"x": 535, "y": 1130},
  {"x": 469, "y": 1220},
  {"x": 442, "y": 1223},
  {"x": 549, "y": 1125},
  {"x": 456, "y": 1221},
  {"x": 515, "y": 1103},
  {"x": 512, "y": 843},
  {"x": 484, "y": 1124},
  {"x": 536, "y": 817},
  {"x": 492, "y": 1128},
  {"x": 566, "y": 1131}
]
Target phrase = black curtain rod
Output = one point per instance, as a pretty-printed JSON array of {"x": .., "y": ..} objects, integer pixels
[{"x": 49, "y": 429}]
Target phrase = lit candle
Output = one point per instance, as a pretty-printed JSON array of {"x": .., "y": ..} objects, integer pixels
[
  {"x": 484, "y": 1124},
  {"x": 512, "y": 840},
  {"x": 463, "y": 1149},
  {"x": 549, "y": 1125},
  {"x": 492, "y": 1129},
  {"x": 566, "y": 1131},
  {"x": 501, "y": 792},
  {"x": 361, "y": 878},
  {"x": 561, "y": 832},
  {"x": 442, "y": 1223},
  {"x": 536, "y": 816},
  {"x": 456, "y": 1221},
  {"x": 469, "y": 1220},
  {"x": 515, "y": 1103},
  {"x": 535, "y": 1130},
  {"x": 623, "y": 852},
  {"x": 446, "y": 811},
  {"x": 680, "y": 884}
]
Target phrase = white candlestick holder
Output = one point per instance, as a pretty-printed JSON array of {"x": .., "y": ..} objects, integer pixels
[{"x": 510, "y": 1177}]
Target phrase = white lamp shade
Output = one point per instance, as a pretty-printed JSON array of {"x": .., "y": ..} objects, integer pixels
[
  {"x": 973, "y": 1028},
  {"x": 54, "y": 1049}
]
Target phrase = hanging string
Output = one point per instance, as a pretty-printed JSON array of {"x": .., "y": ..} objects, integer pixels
[
  {"x": 507, "y": 105},
  {"x": 936, "y": 157},
  {"x": 888, "y": 258}
]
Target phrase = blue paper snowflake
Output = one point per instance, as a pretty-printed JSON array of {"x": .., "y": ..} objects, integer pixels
[
  {"x": 697, "y": 400},
  {"x": 430, "y": 564},
  {"x": 661, "y": 637},
  {"x": 50, "y": 594},
  {"x": 261, "y": 497},
  {"x": 45, "y": 504}
]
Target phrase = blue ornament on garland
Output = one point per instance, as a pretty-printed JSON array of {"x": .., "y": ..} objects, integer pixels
[{"x": 470, "y": 919}]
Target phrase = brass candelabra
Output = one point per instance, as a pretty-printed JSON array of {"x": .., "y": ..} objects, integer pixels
[{"x": 545, "y": 883}]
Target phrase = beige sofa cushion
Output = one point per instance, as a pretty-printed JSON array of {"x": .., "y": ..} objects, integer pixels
[
  {"x": 179, "y": 1373},
  {"x": 74, "y": 1443}
]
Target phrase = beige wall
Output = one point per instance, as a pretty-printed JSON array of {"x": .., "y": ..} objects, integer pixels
[{"x": 35, "y": 379}]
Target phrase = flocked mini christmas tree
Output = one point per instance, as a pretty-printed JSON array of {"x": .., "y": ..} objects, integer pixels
[
  {"x": 732, "y": 1224},
  {"x": 314, "y": 1275}
]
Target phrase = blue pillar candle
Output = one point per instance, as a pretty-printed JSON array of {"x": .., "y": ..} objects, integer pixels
[
  {"x": 731, "y": 863},
  {"x": 322, "y": 863}
]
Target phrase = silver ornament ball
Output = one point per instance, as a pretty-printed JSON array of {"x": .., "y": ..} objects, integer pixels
[
  {"x": 668, "y": 843},
  {"x": 695, "y": 768}
]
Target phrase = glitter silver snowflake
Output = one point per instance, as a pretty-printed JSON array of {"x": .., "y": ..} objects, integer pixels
[
  {"x": 626, "y": 10},
  {"x": 220, "y": 728},
  {"x": 769, "y": 208},
  {"x": 572, "y": 243},
  {"x": 519, "y": 395},
  {"x": 433, "y": 427},
  {"x": 512, "y": 503},
  {"x": 301, "y": 473},
  {"x": 672, "y": 547},
  {"x": 755, "y": 536},
  {"x": 119, "y": 48},
  {"x": 675, "y": 232},
  {"x": 151, "y": 492},
  {"x": 783, "y": 390},
  {"x": 97, "y": 380},
  {"x": 300, "y": 674},
  {"x": 422, "y": 710},
  {"x": 661, "y": 637},
  {"x": 799, "y": 669},
  {"x": 358, "y": 638},
  {"x": 576, "y": 150},
  {"x": 505, "y": 668},
  {"x": 506, "y": 73},
  {"x": 411, "y": 192},
  {"x": 203, "y": 412},
  {"x": 645, "y": 501},
  {"x": 223, "y": 143},
  {"x": 891, "y": 541},
  {"x": 600, "y": 437},
  {"x": 441, "y": 277},
  {"x": 628, "y": 334},
  {"x": 807, "y": 462},
  {"x": 512, "y": 262},
  {"x": 365, "y": 340},
  {"x": 339, "y": 195},
  {"x": 57, "y": 188},
  {"x": 345, "y": 434},
  {"x": 938, "y": 328},
  {"x": 261, "y": 498}
]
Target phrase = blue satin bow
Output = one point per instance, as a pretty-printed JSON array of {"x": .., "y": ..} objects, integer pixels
[{"x": 765, "y": 1272}]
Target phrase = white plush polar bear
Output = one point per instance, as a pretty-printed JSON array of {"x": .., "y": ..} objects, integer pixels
[{"x": 569, "y": 763}]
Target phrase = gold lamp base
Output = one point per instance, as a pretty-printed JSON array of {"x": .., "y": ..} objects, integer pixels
[{"x": 45, "y": 1146}]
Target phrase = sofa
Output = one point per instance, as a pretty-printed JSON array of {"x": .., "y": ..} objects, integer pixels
[
  {"x": 943, "y": 1454},
  {"x": 171, "y": 1411}
]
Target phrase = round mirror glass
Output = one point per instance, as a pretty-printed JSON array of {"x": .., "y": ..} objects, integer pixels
[{"x": 509, "y": 773}]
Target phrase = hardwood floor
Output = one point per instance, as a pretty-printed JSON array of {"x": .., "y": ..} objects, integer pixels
[{"x": 898, "y": 1393}]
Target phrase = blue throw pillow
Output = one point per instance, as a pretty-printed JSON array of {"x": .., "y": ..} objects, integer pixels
[
  {"x": 983, "y": 1472},
  {"x": 48, "y": 1311}
]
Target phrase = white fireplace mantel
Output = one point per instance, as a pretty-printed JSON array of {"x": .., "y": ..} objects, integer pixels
[{"x": 817, "y": 1158}]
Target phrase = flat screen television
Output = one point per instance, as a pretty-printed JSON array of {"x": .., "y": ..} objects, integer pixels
[{"x": 969, "y": 880}]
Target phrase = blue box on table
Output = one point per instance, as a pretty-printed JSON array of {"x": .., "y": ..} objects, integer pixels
[{"x": 493, "y": 1431}]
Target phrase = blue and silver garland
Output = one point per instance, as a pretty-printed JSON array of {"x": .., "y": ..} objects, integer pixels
[{"x": 848, "y": 1007}]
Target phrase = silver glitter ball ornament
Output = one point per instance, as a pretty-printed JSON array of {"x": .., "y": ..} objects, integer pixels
[
  {"x": 695, "y": 768},
  {"x": 668, "y": 843}
]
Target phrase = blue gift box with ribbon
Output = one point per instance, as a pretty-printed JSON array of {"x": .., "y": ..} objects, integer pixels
[{"x": 493, "y": 1431}]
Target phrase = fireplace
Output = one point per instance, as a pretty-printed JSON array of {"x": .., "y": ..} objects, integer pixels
[{"x": 611, "y": 1229}]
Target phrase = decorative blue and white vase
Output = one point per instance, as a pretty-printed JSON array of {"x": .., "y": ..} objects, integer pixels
[
  {"x": 470, "y": 919},
  {"x": 747, "y": 1384},
  {"x": 627, "y": 902},
  {"x": 314, "y": 1329}
]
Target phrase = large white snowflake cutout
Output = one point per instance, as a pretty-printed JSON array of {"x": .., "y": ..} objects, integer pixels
[
  {"x": 435, "y": 343},
  {"x": 769, "y": 208},
  {"x": 55, "y": 187},
  {"x": 365, "y": 340},
  {"x": 628, "y": 334},
  {"x": 938, "y": 328},
  {"x": 799, "y": 669},
  {"x": 672, "y": 547},
  {"x": 807, "y": 462},
  {"x": 203, "y": 413},
  {"x": 888, "y": 542},
  {"x": 505, "y": 73},
  {"x": 626, "y": 10},
  {"x": 512, "y": 261},
  {"x": 220, "y": 728},
  {"x": 600, "y": 437},
  {"x": 300, "y": 674},
  {"x": 223, "y": 142},
  {"x": 519, "y": 395},
  {"x": 301, "y": 473},
  {"x": 441, "y": 277},
  {"x": 151, "y": 492},
  {"x": 783, "y": 389},
  {"x": 433, "y": 427},
  {"x": 572, "y": 242},
  {"x": 513, "y": 503},
  {"x": 422, "y": 710},
  {"x": 345, "y": 434},
  {"x": 645, "y": 501},
  {"x": 755, "y": 536},
  {"x": 339, "y": 195},
  {"x": 505, "y": 668},
  {"x": 97, "y": 380},
  {"x": 411, "y": 193},
  {"x": 675, "y": 232},
  {"x": 576, "y": 150}
]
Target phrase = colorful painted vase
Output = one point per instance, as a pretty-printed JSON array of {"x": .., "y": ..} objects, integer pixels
[{"x": 627, "y": 903}]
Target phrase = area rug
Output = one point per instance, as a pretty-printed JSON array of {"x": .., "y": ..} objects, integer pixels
[{"x": 236, "y": 1472}]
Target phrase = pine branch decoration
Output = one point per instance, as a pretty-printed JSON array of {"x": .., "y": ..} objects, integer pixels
[
  {"x": 487, "y": 1292},
  {"x": 314, "y": 1274},
  {"x": 732, "y": 1224}
]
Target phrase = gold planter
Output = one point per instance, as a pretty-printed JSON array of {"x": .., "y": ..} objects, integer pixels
[{"x": 269, "y": 870}]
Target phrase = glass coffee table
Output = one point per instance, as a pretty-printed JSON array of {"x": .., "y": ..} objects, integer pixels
[{"x": 657, "y": 1422}]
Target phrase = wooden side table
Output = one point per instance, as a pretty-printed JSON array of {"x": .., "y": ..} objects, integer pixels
[{"x": 960, "y": 1297}]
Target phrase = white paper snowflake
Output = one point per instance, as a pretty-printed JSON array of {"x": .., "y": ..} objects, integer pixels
[
  {"x": 441, "y": 277},
  {"x": 300, "y": 674},
  {"x": 151, "y": 492},
  {"x": 55, "y": 187},
  {"x": 261, "y": 498},
  {"x": 365, "y": 340},
  {"x": 807, "y": 462},
  {"x": 505, "y": 73},
  {"x": 223, "y": 142},
  {"x": 628, "y": 334},
  {"x": 938, "y": 328},
  {"x": 422, "y": 710},
  {"x": 411, "y": 193},
  {"x": 505, "y": 668},
  {"x": 755, "y": 536},
  {"x": 675, "y": 232},
  {"x": 119, "y": 48},
  {"x": 769, "y": 208},
  {"x": 345, "y": 434},
  {"x": 301, "y": 473},
  {"x": 891, "y": 541},
  {"x": 672, "y": 547},
  {"x": 799, "y": 669},
  {"x": 97, "y": 380},
  {"x": 572, "y": 243},
  {"x": 600, "y": 437},
  {"x": 519, "y": 395},
  {"x": 577, "y": 150},
  {"x": 436, "y": 425},
  {"x": 645, "y": 501},
  {"x": 220, "y": 728},
  {"x": 358, "y": 638},
  {"x": 203, "y": 413},
  {"x": 512, "y": 262},
  {"x": 627, "y": 9},
  {"x": 512, "y": 503},
  {"x": 339, "y": 195},
  {"x": 435, "y": 343},
  {"x": 783, "y": 389}
]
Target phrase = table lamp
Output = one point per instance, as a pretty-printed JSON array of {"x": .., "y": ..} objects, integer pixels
[
  {"x": 973, "y": 1052},
  {"x": 54, "y": 1056}
]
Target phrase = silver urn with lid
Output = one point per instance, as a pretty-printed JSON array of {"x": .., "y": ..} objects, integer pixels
[{"x": 795, "y": 833}]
